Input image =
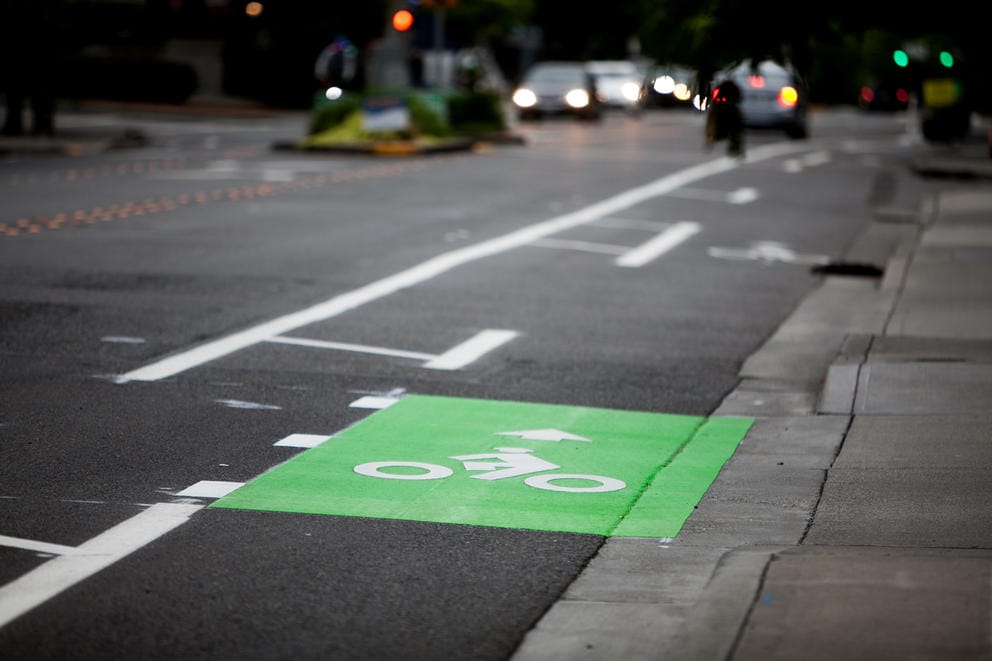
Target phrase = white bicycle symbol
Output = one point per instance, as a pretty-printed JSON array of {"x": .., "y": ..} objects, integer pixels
[{"x": 509, "y": 462}]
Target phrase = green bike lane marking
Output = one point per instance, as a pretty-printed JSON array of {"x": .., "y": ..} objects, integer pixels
[{"x": 507, "y": 464}]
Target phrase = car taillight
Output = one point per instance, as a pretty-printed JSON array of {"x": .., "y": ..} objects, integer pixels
[
  {"x": 788, "y": 97},
  {"x": 867, "y": 94},
  {"x": 902, "y": 95}
]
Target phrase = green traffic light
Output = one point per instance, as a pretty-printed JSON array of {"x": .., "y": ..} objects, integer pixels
[
  {"x": 901, "y": 58},
  {"x": 946, "y": 59}
]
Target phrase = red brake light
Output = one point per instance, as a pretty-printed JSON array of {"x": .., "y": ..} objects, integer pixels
[
  {"x": 867, "y": 94},
  {"x": 788, "y": 96},
  {"x": 902, "y": 95},
  {"x": 757, "y": 82}
]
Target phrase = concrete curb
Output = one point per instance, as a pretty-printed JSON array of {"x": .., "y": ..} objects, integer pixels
[
  {"x": 72, "y": 143},
  {"x": 404, "y": 147},
  {"x": 711, "y": 629}
]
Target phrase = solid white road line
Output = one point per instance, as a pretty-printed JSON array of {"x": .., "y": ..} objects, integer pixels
[
  {"x": 441, "y": 264},
  {"x": 581, "y": 246},
  {"x": 38, "y": 547},
  {"x": 356, "y": 348},
  {"x": 58, "y": 574}
]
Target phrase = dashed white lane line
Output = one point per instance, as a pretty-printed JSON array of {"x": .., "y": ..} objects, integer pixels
[
  {"x": 471, "y": 350},
  {"x": 64, "y": 571},
  {"x": 658, "y": 246},
  {"x": 210, "y": 489},
  {"x": 302, "y": 440},
  {"x": 440, "y": 265}
]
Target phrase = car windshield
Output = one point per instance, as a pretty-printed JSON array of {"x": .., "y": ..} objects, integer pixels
[
  {"x": 765, "y": 75},
  {"x": 768, "y": 79},
  {"x": 613, "y": 71},
  {"x": 565, "y": 75}
]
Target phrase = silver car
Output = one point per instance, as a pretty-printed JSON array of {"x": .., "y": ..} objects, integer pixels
[
  {"x": 557, "y": 88},
  {"x": 619, "y": 84},
  {"x": 772, "y": 96}
]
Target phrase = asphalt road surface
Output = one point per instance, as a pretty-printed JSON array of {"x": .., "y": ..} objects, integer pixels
[{"x": 183, "y": 324}]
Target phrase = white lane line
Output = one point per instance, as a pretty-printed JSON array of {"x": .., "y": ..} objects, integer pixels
[
  {"x": 659, "y": 245},
  {"x": 471, "y": 350},
  {"x": 743, "y": 196},
  {"x": 204, "y": 353},
  {"x": 247, "y": 406},
  {"x": 356, "y": 348},
  {"x": 346, "y": 346},
  {"x": 816, "y": 158},
  {"x": 373, "y": 402},
  {"x": 581, "y": 246},
  {"x": 739, "y": 196},
  {"x": 32, "y": 545},
  {"x": 210, "y": 489},
  {"x": 41, "y": 584},
  {"x": 302, "y": 440},
  {"x": 630, "y": 224}
]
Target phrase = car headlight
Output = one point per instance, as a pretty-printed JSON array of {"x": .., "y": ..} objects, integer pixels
[
  {"x": 577, "y": 98},
  {"x": 631, "y": 91},
  {"x": 682, "y": 92},
  {"x": 664, "y": 85},
  {"x": 524, "y": 98}
]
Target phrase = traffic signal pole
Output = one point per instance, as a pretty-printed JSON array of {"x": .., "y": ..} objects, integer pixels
[{"x": 438, "y": 46}]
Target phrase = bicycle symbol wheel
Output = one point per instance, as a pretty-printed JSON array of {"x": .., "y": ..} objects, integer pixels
[
  {"x": 546, "y": 482},
  {"x": 433, "y": 471}
]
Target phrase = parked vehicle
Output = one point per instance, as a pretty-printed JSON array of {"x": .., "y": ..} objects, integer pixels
[{"x": 557, "y": 88}]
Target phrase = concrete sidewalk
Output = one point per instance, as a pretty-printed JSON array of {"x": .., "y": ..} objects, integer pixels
[{"x": 897, "y": 561}]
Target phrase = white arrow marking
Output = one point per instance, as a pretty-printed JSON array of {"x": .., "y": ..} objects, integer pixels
[
  {"x": 554, "y": 435},
  {"x": 768, "y": 252}
]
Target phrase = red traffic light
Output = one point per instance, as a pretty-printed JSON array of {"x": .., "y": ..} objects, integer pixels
[{"x": 402, "y": 20}]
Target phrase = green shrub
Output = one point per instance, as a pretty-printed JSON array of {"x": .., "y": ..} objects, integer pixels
[
  {"x": 474, "y": 112},
  {"x": 426, "y": 118},
  {"x": 431, "y": 115},
  {"x": 329, "y": 114}
]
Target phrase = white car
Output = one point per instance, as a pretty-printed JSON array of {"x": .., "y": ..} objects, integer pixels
[{"x": 619, "y": 84}]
